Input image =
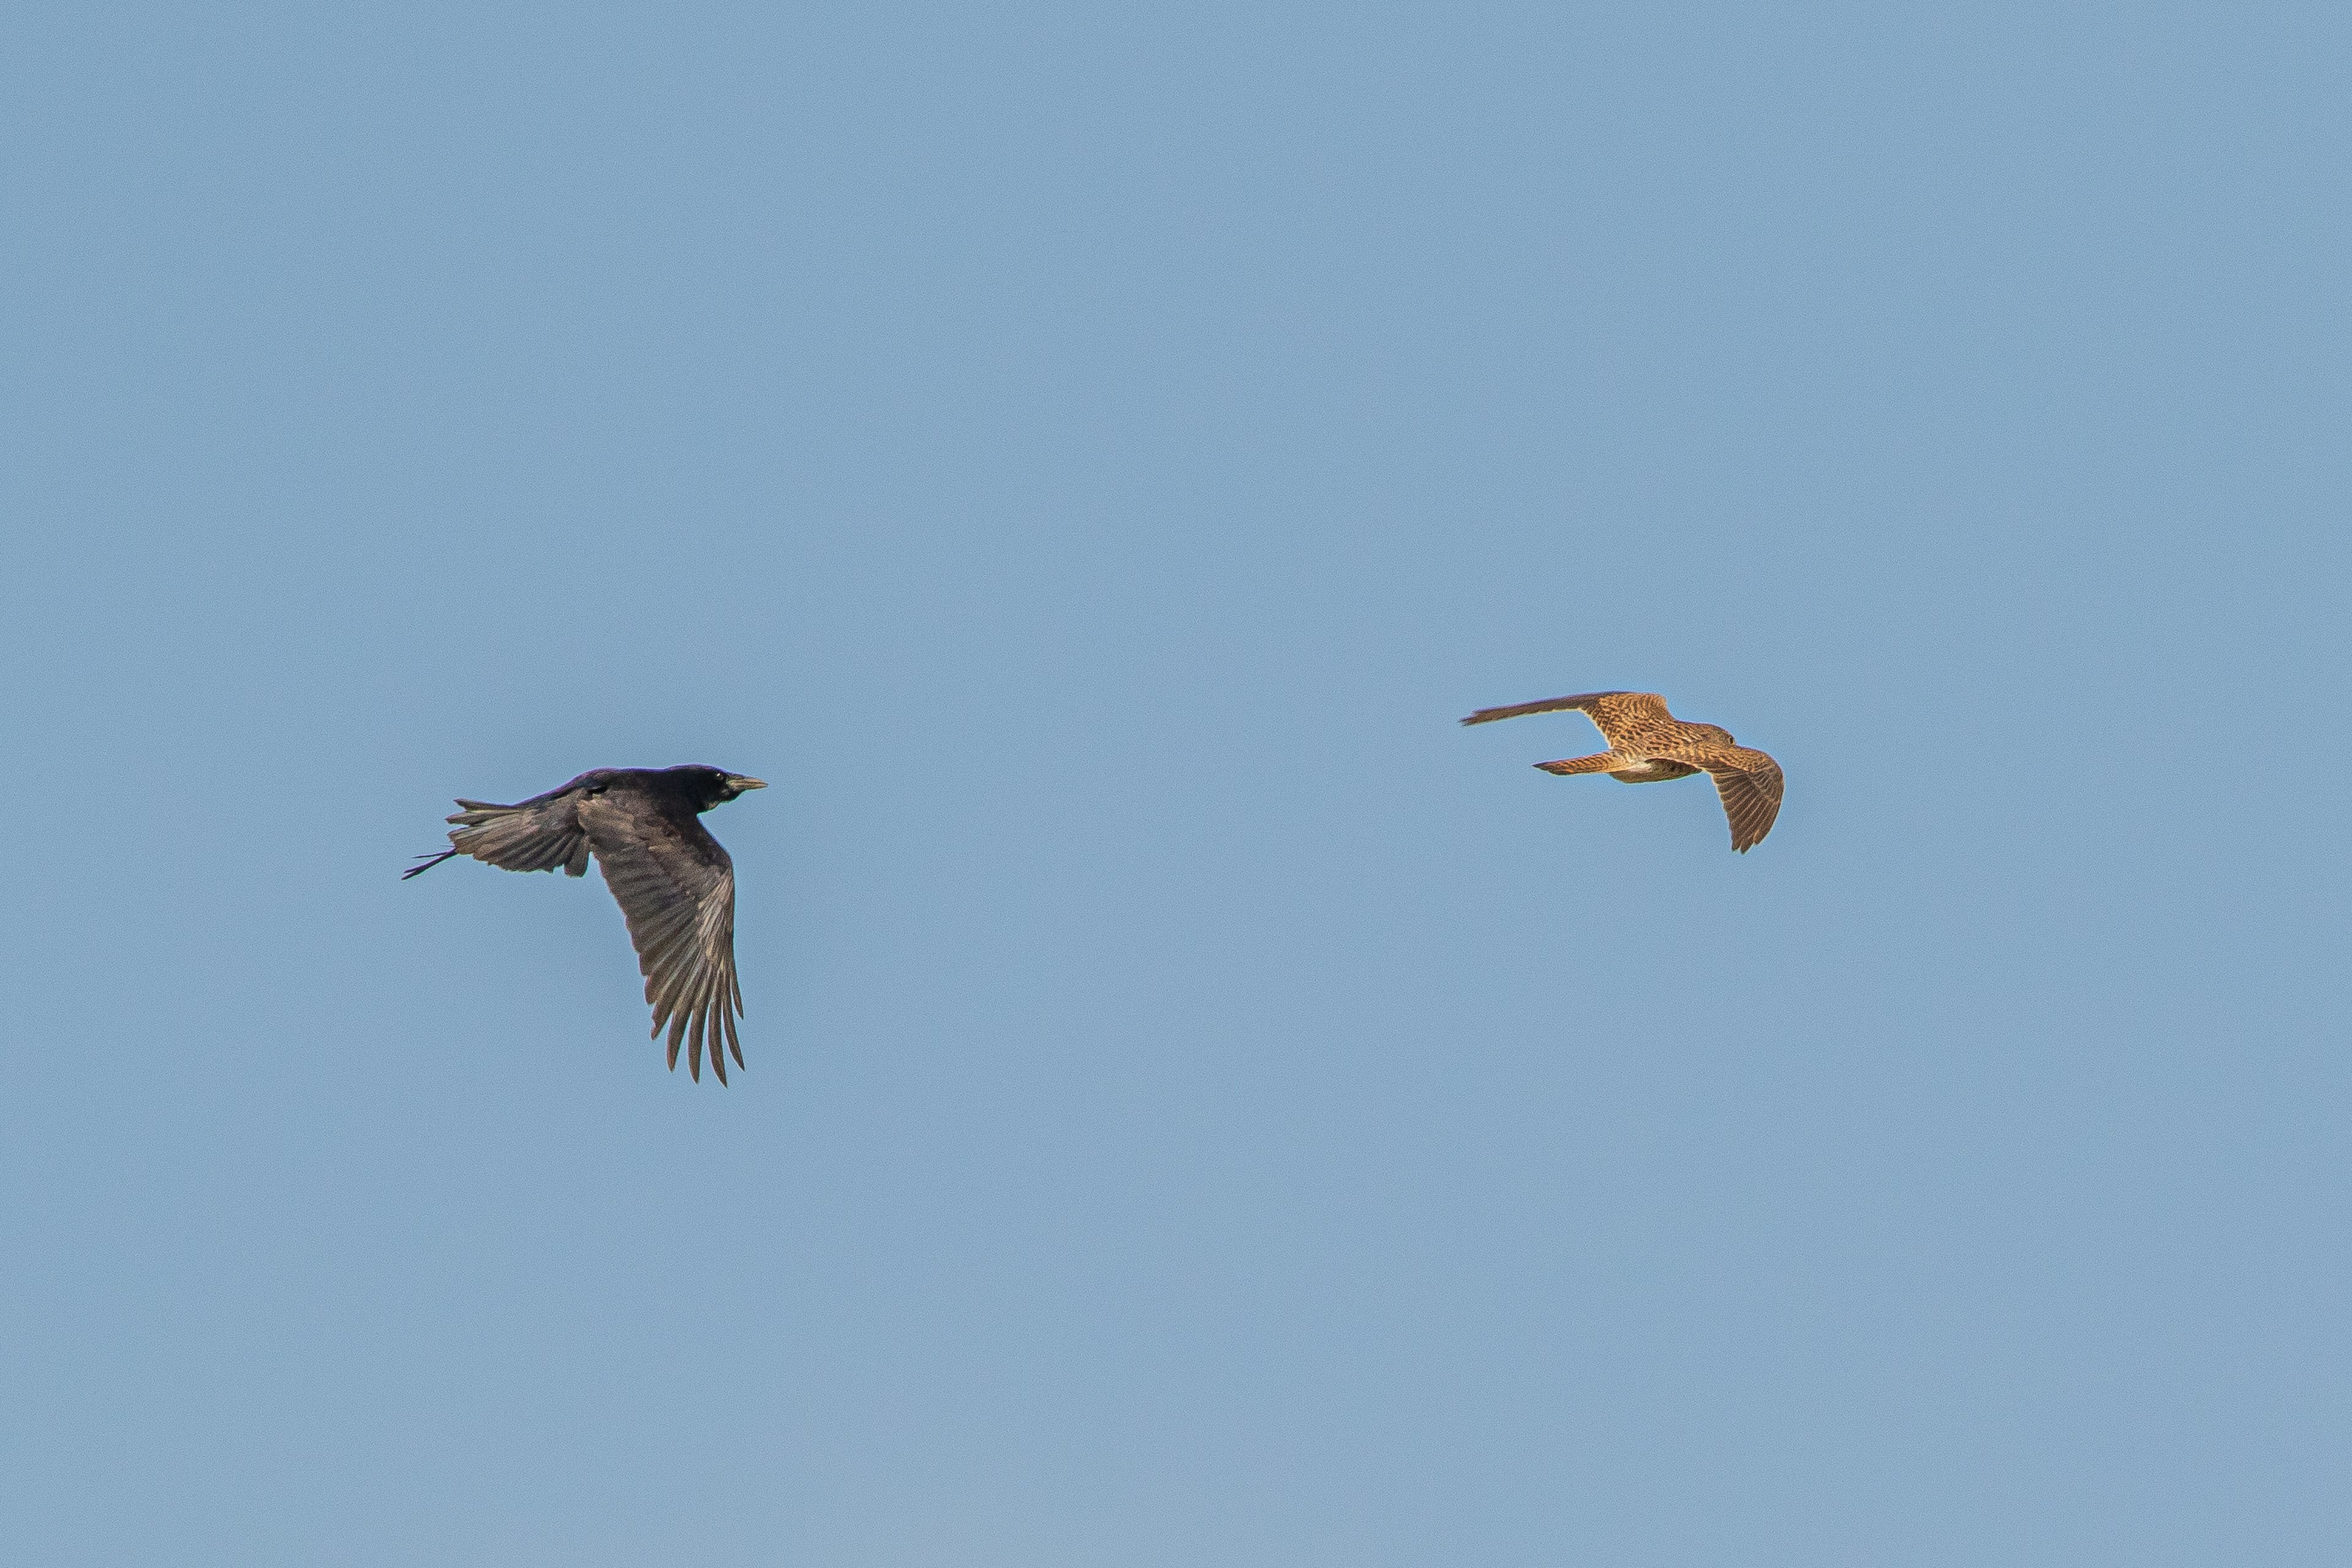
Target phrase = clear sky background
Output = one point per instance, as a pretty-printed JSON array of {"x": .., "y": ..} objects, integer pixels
[{"x": 1203, "y": 1106}]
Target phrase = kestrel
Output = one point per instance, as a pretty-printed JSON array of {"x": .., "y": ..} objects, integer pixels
[
  {"x": 1647, "y": 744},
  {"x": 674, "y": 882}
]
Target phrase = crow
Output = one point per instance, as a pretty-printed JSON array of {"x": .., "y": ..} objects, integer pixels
[{"x": 675, "y": 884}]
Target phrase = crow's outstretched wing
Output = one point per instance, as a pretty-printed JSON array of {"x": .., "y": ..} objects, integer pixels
[
  {"x": 676, "y": 887},
  {"x": 538, "y": 834}
]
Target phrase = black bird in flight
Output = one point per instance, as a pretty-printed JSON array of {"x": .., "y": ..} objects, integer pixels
[{"x": 674, "y": 882}]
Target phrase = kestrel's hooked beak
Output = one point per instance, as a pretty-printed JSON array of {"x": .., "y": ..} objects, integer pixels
[{"x": 738, "y": 782}]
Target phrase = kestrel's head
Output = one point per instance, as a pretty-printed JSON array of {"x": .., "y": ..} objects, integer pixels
[{"x": 1717, "y": 733}]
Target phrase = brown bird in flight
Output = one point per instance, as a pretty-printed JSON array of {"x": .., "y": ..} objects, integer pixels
[
  {"x": 1647, "y": 744},
  {"x": 674, "y": 882}
]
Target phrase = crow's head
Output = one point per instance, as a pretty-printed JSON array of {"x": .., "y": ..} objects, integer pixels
[{"x": 708, "y": 787}]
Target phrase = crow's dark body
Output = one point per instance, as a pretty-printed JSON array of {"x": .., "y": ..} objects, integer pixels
[{"x": 675, "y": 884}]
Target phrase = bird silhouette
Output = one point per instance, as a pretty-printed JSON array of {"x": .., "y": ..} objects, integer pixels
[
  {"x": 1649, "y": 745},
  {"x": 674, "y": 882}
]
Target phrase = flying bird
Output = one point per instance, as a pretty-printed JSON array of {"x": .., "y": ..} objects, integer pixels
[
  {"x": 1648, "y": 745},
  {"x": 675, "y": 884}
]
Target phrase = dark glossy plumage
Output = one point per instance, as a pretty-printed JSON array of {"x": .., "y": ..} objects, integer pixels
[{"x": 675, "y": 884}]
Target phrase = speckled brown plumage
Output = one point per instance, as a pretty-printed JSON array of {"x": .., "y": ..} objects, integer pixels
[{"x": 1647, "y": 744}]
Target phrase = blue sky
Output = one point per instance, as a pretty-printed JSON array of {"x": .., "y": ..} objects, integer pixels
[{"x": 1203, "y": 1106}]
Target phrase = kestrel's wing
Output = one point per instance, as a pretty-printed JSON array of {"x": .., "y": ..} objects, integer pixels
[
  {"x": 1749, "y": 783},
  {"x": 676, "y": 887},
  {"x": 537, "y": 835},
  {"x": 1626, "y": 718}
]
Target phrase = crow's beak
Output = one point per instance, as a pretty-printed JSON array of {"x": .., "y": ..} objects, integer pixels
[{"x": 741, "y": 782}]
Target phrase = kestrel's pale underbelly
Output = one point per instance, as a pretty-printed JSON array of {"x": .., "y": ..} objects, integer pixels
[{"x": 1653, "y": 770}]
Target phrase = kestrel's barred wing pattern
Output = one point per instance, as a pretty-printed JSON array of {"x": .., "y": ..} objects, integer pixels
[
  {"x": 1747, "y": 780},
  {"x": 676, "y": 887},
  {"x": 1618, "y": 715},
  {"x": 1550, "y": 705},
  {"x": 1751, "y": 799}
]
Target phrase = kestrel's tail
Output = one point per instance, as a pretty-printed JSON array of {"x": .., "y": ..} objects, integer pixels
[{"x": 1606, "y": 761}]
